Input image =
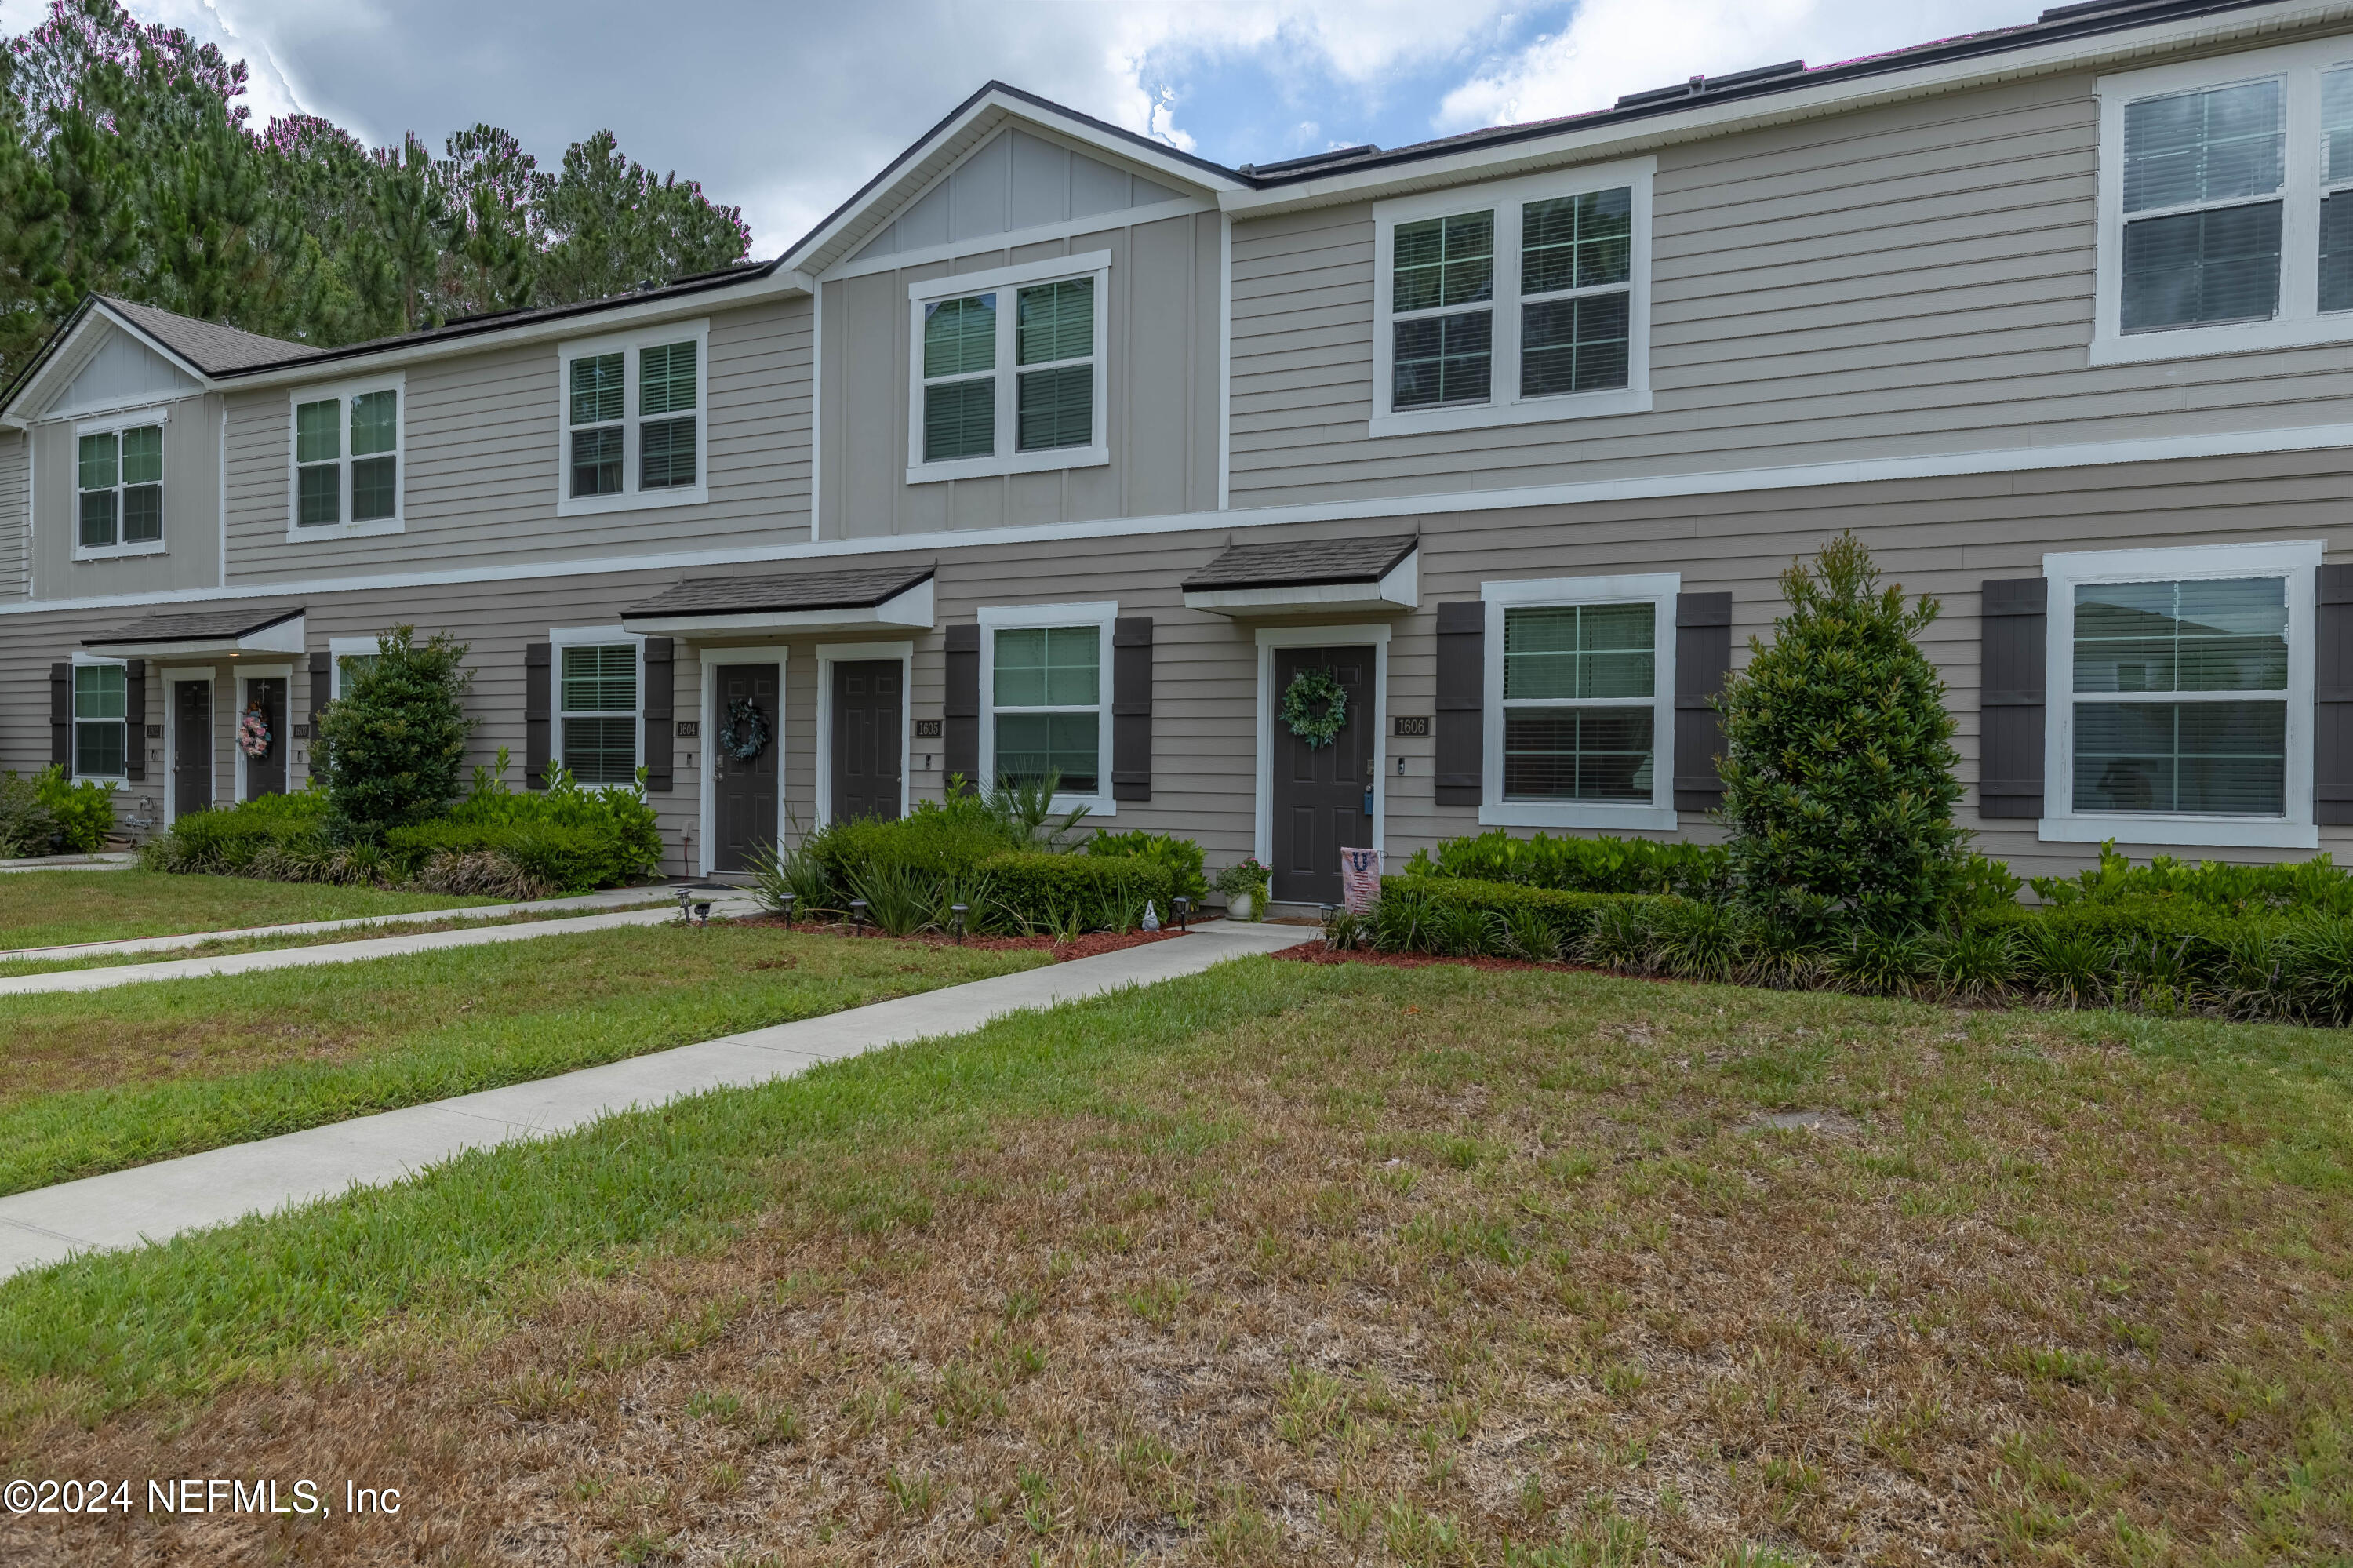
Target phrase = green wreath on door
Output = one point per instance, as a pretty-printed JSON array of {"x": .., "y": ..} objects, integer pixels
[{"x": 1308, "y": 689}]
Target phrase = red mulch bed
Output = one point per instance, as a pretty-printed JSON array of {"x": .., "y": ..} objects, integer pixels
[
  {"x": 1086, "y": 947},
  {"x": 1311, "y": 953}
]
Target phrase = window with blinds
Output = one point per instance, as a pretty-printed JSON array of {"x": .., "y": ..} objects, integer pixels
[
  {"x": 347, "y": 458},
  {"x": 120, "y": 475},
  {"x": 1046, "y": 697},
  {"x": 1009, "y": 373},
  {"x": 2179, "y": 704},
  {"x": 2337, "y": 190},
  {"x": 1054, "y": 347},
  {"x": 597, "y": 708},
  {"x": 2202, "y": 177},
  {"x": 1443, "y": 353},
  {"x": 102, "y": 707},
  {"x": 960, "y": 378},
  {"x": 1579, "y": 701},
  {"x": 634, "y": 413},
  {"x": 1576, "y": 271}
]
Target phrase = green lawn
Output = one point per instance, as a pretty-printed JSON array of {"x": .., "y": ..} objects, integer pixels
[
  {"x": 101, "y": 1080},
  {"x": 52, "y": 908},
  {"x": 1287, "y": 1264}
]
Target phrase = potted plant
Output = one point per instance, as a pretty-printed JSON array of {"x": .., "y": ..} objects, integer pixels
[{"x": 1244, "y": 883}]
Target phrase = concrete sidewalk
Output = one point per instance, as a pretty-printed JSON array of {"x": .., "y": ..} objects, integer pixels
[
  {"x": 118, "y": 859},
  {"x": 611, "y": 898},
  {"x": 106, "y": 977},
  {"x": 154, "y": 1202}
]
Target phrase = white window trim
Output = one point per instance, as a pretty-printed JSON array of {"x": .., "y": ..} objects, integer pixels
[
  {"x": 2299, "y": 563},
  {"x": 1269, "y": 638},
  {"x": 632, "y": 499},
  {"x": 828, "y": 654},
  {"x": 121, "y": 419},
  {"x": 1505, "y": 406},
  {"x": 1098, "y": 613},
  {"x": 82, "y": 660},
  {"x": 1095, "y": 264},
  {"x": 244, "y": 678},
  {"x": 708, "y": 749},
  {"x": 1656, "y": 588},
  {"x": 2299, "y": 322},
  {"x": 559, "y": 638},
  {"x": 340, "y": 648},
  {"x": 395, "y": 382}
]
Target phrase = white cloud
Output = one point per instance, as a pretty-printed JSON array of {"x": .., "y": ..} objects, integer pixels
[{"x": 1611, "y": 47}]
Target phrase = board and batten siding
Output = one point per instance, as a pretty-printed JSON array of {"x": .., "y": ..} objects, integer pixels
[
  {"x": 15, "y": 513},
  {"x": 190, "y": 558},
  {"x": 1910, "y": 279},
  {"x": 482, "y": 470},
  {"x": 1162, "y": 421}
]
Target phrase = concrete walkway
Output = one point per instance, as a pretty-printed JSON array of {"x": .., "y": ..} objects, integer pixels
[
  {"x": 121, "y": 860},
  {"x": 114, "y": 975},
  {"x": 154, "y": 1202},
  {"x": 611, "y": 898}
]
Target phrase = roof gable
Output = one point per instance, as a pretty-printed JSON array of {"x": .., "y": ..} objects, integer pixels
[
  {"x": 119, "y": 372},
  {"x": 1017, "y": 180}
]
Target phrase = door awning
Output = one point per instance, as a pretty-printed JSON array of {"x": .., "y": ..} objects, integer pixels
[
  {"x": 1378, "y": 574},
  {"x": 865, "y": 598},
  {"x": 204, "y": 634}
]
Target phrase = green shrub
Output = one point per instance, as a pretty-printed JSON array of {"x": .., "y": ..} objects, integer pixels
[
  {"x": 1496, "y": 920},
  {"x": 2315, "y": 885},
  {"x": 388, "y": 750},
  {"x": 554, "y": 857},
  {"x": 1581, "y": 865},
  {"x": 80, "y": 811},
  {"x": 545, "y": 829},
  {"x": 1838, "y": 764},
  {"x": 26, "y": 829},
  {"x": 286, "y": 834},
  {"x": 1034, "y": 887},
  {"x": 1180, "y": 857}
]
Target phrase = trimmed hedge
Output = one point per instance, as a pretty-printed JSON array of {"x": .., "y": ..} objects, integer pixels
[
  {"x": 2314, "y": 886},
  {"x": 1581, "y": 866},
  {"x": 1181, "y": 858},
  {"x": 1037, "y": 887},
  {"x": 1465, "y": 917}
]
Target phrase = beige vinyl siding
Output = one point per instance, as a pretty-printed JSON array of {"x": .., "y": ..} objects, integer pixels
[
  {"x": 15, "y": 513},
  {"x": 481, "y": 463},
  {"x": 1911, "y": 279},
  {"x": 191, "y": 553},
  {"x": 1163, "y": 393}
]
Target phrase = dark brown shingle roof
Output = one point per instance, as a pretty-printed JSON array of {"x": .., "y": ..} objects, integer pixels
[
  {"x": 860, "y": 587},
  {"x": 209, "y": 346},
  {"x": 1303, "y": 564},
  {"x": 196, "y": 625}
]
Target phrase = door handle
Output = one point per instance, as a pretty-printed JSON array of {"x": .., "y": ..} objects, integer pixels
[{"x": 1368, "y": 801}]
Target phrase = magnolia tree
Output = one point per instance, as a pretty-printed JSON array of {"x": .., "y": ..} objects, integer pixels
[
  {"x": 1837, "y": 766},
  {"x": 388, "y": 750}
]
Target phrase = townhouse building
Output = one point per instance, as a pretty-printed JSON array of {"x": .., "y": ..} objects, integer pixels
[{"x": 1057, "y": 449}]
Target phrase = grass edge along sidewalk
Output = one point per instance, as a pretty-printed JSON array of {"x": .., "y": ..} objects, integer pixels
[{"x": 154, "y": 1201}]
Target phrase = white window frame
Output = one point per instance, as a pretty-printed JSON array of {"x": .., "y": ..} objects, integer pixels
[
  {"x": 1006, "y": 281},
  {"x": 2298, "y": 562},
  {"x": 828, "y": 654},
  {"x": 1505, "y": 406},
  {"x": 395, "y": 382},
  {"x": 562, "y": 637},
  {"x": 126, "y": 420},
  {"x": 2298, "y": 67},
  {"x": 1098, "y": 613},
  {"x": 1656, "y": 588},
  {"x": 340, "y": 648},
  {"x": 88, "y": 661},
  {"x": 629, "y": 345}
]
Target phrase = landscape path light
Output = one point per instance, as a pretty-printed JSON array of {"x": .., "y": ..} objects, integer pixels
[
  {"x": 957, "y": 912},
  {"x": 857, "y": 914},
  {"x": 1183, "y": 906},
  {"x": 785, "y": 903}
]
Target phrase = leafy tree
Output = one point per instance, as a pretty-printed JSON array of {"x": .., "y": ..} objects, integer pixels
[
  {"x": 614, "y": 226},
  {"x": 1838, "y": 767},
  {"x": 388, "y": 751}
]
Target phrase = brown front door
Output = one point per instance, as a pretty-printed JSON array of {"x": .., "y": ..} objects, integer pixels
[
  {"x": 867, "y": 701},
  {"x": 743, "y": 789},
  {"x": 264, "y": 774},
  {"x": 192, "y": 746},
  {"x": 1322, "y": 794}
]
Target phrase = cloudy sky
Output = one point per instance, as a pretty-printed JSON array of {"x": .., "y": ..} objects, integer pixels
[{"x": 786, "y": 107}]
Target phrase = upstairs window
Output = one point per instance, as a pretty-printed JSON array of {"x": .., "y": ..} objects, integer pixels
[
  {"x": 119, "y": 474},
  {"x": 2226, "y": 204},
  {"x": 1009, "y": 373},
  {"x": 634, "y": 420},
  {"x": 597, "y": 708},
  {"x": 1520, "y": 300},
  {"x": 347, "y": 460}
]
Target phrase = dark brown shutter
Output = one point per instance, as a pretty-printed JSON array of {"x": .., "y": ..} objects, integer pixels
[
  {"x": 2332, "y": 698},
  {"x": 1131, "y": 709},
  {"x": 661, "y": 694},
  {"x": 1703, "y": 659},
  {"x": 2014, "y": 623},
  {"x": 1462, "y": 701},
  {"x": 960, "y": 711},
  {"x": 134, "y": 709},
  {"x": 538, "y": 713},
  {"x": 61, "y": 714}
]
